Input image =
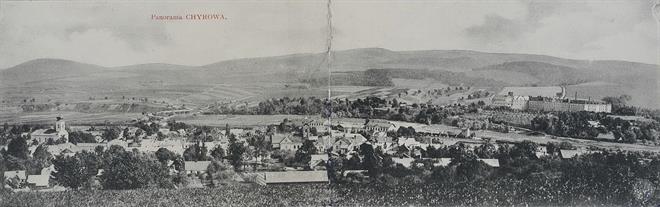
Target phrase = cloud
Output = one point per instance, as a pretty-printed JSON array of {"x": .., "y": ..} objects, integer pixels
[
  {"x": 581, "y": 30},
  {"x": 114, "y": 34},
  {"x": 496, "y": 28}
]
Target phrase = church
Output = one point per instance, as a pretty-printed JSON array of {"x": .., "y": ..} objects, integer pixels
[{"x": 43, "y": 135}]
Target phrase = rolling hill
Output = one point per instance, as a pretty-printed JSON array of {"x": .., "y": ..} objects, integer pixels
[
  {"x": 46, "y": 69},
  {"x": 75, "y": 80}
]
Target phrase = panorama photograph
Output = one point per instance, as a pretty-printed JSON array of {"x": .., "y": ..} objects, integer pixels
[{"x": 330, "y": 103}]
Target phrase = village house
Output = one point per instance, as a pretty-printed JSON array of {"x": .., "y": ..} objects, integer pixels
[
  {"x": 40, "y": 181},
  {"x": 67, "y": 149},
  {"x": 567, "y": 154},
  {"x": 196, "y": 167},
  {"x": 324, "y": 143},
  {"x": 385, "y": 142},
  {"x": 406, "y": 162},
  {"x": 21, "y": 175},
  {"x": 350, "y": 125},
  {"x": 346, "y": 142},
  {"x": 318, "y": 160},
  {"x": 379, "y": 126},
  {"x": 444, "y": 162},
  {"x": 286, "y": 142},
  {"x": 491, "y": 162},
  {"x": 289, "y": 177}
]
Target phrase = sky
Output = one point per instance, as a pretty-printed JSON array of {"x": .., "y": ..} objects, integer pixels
[{"x": 117, "y": 33}]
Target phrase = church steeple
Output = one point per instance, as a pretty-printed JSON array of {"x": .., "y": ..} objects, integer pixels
[{"x": 60, "y": 125}]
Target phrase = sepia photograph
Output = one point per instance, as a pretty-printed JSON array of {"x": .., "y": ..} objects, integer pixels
[{"x": 330, "y": 103}]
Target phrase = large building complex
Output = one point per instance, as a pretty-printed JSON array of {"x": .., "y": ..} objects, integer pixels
[
  {"x": 545, "y": 99},
  {"x": 548, "y": 104}
]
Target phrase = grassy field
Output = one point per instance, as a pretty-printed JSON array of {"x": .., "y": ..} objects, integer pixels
[
  {"x": 234, "y": 120},
  {"x": 415, "y": 83},
  {"x": 69, "y": 116},
  {"x": 461, "y": 194}
]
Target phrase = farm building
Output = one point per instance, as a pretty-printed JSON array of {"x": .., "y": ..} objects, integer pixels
[
  {"x": 548, "y": 91},
  {"x": 20, "y": 174},
  {"x": 441, "y": 162},
  {"x": 318, "y": 160},
  {"x": 196, "y": 166},
  {"x": 38, "y": 181},
  {"x": 295, "y": 177},
  {"x": 292, "y": 143},
  {"x": 491, "y": 162},
  {"x": 406, "y": 162},
  {"x": 566, "y": 154}
]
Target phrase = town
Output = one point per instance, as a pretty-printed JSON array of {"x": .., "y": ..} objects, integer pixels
[{"x": 340, "y": 141}]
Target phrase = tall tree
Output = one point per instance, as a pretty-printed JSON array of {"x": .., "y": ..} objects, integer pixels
[
  {"x": 304, "y": 153},
  {"x": 75, "y": 171},
  {"x": 18, "y": 148}
]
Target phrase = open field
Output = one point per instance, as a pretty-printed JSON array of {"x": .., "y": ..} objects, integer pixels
[
  {"x": 234, "y": 120},
  {"x": 349, "y": 89},
  {"x": 486, "y": 193},
  {"x": 416, "y": 83},
  {"x": 75, "y": 118},
  {"x": 476, "y": 194},
  {"x": 548, "y": 91}
]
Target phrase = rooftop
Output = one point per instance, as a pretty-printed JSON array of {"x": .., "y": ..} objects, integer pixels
[
  {"x": 547, "y": 91},
  {"x": 197, "y": 165},
  {"x": 296, "y": 177},
  {"x": 39, "y": 180}
]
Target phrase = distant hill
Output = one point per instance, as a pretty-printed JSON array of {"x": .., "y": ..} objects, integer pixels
[
  {"x": 447, "y": 66},
  {"x": 47, "y": 69},
  {"x": 535, "y": 73}
]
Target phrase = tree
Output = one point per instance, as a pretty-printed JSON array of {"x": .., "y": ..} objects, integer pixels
[
  {"x": 18, "y": 148},
  {"x": 304, "y": 153},
  {"x": 335, "y": 168},
  {"x": 129, "y": 170},
  {"x": 196, "y": 152},
  {"x": 525, "y": 149},
  {"x": 372, "y": 162},
  {"x": 138, "y": 133},
  {"x": 75, "y": 171},
  {"x": 236, "y": 151},
  {"x": 218, "y": 153},
  {"x": 110, "y": 134},
  {"x": 163, "y": 155},
  {"x": 41, "y": 153},
  {"x": 81, "y": 137},
  {"x": 486, "y": 150},
  {"x": 160, "y": 136},
  {"x": 220, "y": 173},
  {"x": 260, "y": 144}
]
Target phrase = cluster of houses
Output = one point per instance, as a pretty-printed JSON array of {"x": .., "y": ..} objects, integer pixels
[
  {"x": 22, "y": 180},
  {"x": 339, "y": 136}
]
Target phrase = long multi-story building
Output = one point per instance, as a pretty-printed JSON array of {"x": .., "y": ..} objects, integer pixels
[{"x": 549, "y": 104}]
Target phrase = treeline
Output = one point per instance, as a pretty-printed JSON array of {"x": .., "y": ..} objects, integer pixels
[
  {"x": 569, "y": 124},
  {"x": 577, "y": 125},
  {"x": 369, "y": 107},
  {"x": 614, "y": 178},
  {"x": 370, "y": 77}
]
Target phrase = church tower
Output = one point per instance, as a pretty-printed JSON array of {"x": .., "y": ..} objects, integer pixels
[
  {"x": 60, "y": 128},
  {"x": 59, "y": 124}
]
